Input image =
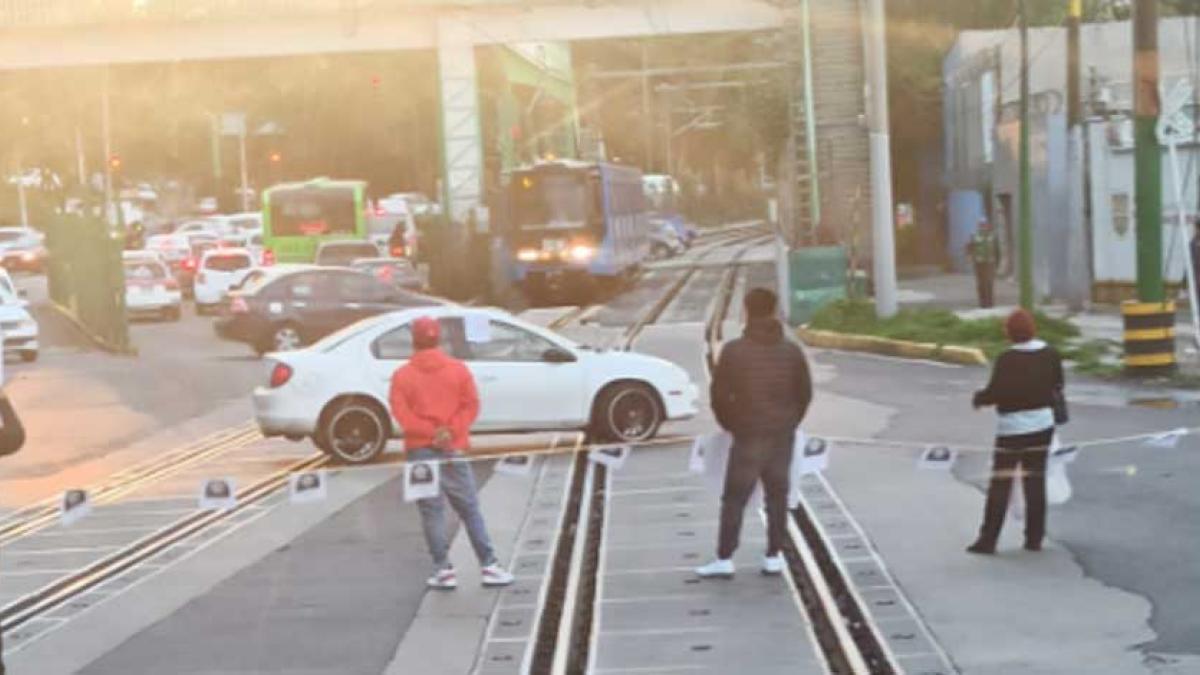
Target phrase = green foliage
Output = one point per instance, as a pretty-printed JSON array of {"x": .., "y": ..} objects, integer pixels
[{"x": 938, "y": 326}]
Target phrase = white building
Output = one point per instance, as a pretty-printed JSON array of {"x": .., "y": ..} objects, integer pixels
[{"x": 981, "y": 91}]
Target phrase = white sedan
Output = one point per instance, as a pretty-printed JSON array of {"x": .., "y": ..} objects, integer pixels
[
  {"x": 529, "y": 379},
  {"x": 20, "y": 331}
]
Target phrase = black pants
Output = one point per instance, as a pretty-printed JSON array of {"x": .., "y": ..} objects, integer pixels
[
  {"x": 1029, "y": 452},
  {"x": 985, "y": 283},
  {"x": 765, "y": 456}
]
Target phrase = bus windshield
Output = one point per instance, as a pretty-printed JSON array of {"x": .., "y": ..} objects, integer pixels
[
  {"x": 313, "y": 212},
  {"x": 551, "y": 201}
]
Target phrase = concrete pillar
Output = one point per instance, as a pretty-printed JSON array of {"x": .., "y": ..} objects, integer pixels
[{"x": 462, "y": 135}]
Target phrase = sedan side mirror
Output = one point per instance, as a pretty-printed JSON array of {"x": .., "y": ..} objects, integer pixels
[{"x": 557, "y": 355}]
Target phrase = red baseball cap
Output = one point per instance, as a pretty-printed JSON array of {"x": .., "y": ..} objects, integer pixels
[{"x": 427, "y": 332}]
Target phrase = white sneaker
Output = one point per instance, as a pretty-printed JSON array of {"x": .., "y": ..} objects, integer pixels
[
  {"x": 443, "y": 580},
  {"x": 495, "y": 575},
  {"x": 772, "y": 564},
  {"x": 717, "y": 569}
]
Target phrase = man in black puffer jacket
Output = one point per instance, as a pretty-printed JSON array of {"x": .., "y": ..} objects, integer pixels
[{"x": 760, "y": 392}]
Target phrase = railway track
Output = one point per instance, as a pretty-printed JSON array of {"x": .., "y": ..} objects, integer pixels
[
  {"x": 847, "y": 639},
  {"x": 567, "y": 619},
  {"x": 571, "y": 591},
  {"x": 36, "y": 516}
]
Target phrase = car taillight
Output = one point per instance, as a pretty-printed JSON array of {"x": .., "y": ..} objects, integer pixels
[
  {"x": 280, "y": 375},
  {"x": 238, "y": 306},
  {"x": 398, "y": 252},
  {"x": 189, "y": 264},
  {"x": 172, "y": 284},
  {"x": 268, "y": 257}
]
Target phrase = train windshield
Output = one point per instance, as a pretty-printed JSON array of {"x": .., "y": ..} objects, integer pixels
[{"x": 551, "y": 201}]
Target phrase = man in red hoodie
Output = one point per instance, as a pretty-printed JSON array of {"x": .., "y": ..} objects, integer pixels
[{"x": 434, "y": 400}]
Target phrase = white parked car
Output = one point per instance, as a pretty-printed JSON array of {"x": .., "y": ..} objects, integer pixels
[
  {"x": 19, "y": 328},
  {"x": 172, "y": 248},
  {"x": 218, "y": 270},
  {"x": 529, "y": 379},
  {"x": 149, "y": 286}
]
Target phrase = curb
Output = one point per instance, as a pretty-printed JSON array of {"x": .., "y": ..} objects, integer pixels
[
  {"x": 963, "y": 356},
  {"x": 91, "y": 336}
]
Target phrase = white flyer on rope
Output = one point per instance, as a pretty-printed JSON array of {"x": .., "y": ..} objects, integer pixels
[
  {"x": 75, "y": 505},
  {"x": 813, "y": 451},
  {"x": 937, "y": 458},
  {"x": 307, "y": 486},
  {"x": 477, "y": 327},
  {"x": 218, "y": 493},
  {"x": 421, "y": 480},
  {"x": 611, "y": 456},
  {"x": 515, "y": 465},
  {"x": 1167, "y": 439},
  {"x": 696, "y": 456},
  {"x": 1061, "y": 454}
]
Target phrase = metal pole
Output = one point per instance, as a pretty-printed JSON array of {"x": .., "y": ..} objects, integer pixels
[
  {"x": 22, "y": 205},
  {"x": 245, "y": 176},
  {"x": 1147, "y": 156},
  {"x": 646, "y": 120},
  {"x": 216, "y": 152},
  {"x": 1025, "y": 220},
  {"x": 884, "y": 244},
  {"x": 106, "y": 132},
  {"x": 80, "y": 165},
  {"x": 1078, "y": 277}
]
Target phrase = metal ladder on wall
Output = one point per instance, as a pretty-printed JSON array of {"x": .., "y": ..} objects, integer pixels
[{"x": 803, "y": 207}]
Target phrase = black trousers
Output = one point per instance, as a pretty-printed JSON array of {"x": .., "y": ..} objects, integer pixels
[
  {"x": 1029, "y": 452},
  {"x": 985, "y": 283},
  {"x": 761, "y": 456}
]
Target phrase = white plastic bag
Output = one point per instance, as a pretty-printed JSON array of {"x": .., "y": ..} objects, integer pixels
[{"x": 714, "y": 450}]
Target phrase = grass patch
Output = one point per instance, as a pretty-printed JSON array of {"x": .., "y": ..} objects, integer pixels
[{"x": 942, "y": 327}]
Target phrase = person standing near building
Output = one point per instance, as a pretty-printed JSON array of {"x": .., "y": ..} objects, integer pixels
[
  {"x": 1025, "y": 386},
  {"x": 984, "y": 251},
  {"x": 760, "y": 392},
  {"x": 435, "y": 401}
]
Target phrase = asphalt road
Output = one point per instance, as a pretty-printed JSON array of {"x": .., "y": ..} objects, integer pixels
[
  {"x": 1135, "y": 529},
  {"x": 81, "y": 405}
]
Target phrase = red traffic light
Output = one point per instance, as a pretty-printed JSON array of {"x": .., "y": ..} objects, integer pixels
[
  {"x": 276, "y": 157},
  {"x": 114, "y": 162}
]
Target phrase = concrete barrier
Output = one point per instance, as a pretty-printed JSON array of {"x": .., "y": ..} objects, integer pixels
[{"x": 966, "y": 356}]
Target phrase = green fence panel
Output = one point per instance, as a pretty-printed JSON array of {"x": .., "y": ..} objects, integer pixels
[
  {"x": 86, "y": 277},
  {"x": 816, "y": 277}
]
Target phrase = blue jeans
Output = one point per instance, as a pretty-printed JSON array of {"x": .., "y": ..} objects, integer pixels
[{"x": 457, "y": 483}]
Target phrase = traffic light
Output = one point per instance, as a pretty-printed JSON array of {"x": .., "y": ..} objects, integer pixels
[
  {"x": 276, "y": 157},
  {"x": 114, "y": 162},
  {"x": 376, "y": 82}
]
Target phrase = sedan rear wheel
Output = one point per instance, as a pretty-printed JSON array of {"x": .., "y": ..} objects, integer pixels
[
  {"x": 355, "y": 432},
  {"x": 286, "y": 337},
  {"x": 628, "y": 413}
]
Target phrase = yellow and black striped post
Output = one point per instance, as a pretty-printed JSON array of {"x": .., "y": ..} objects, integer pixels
[{"x": 1149, "y": 337}]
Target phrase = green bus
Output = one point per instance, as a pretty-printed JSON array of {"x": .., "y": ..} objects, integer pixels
[{"x": 297, "y": 217}]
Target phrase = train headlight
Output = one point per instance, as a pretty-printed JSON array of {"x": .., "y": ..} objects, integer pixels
[
  {"x": 581, "y": 253},
  {"x": 528, "y": 255}
]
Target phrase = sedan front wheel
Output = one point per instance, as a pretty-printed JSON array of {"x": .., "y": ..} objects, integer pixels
[{"x": 627, "y": 413}]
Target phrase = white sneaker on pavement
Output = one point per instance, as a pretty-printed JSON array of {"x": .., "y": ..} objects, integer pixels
[
  {"x": 772, "y": 564},
  {"x": 717, "y": 569},
  {"x": 443, "y": 580},
  {"x": 495, "y": 575}
]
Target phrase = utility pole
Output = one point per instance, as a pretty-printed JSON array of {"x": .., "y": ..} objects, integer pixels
[
  {"x": 245, "y": 174},
  {"x": 647, "y": 120},
  {"x": 106, "y": 131},
  {"x": 1147, "y": 156},
  {"x": 1078, "y": 275},
  {"x": 883, "y": 240},
  {"x": 1025, "y": 219}
]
